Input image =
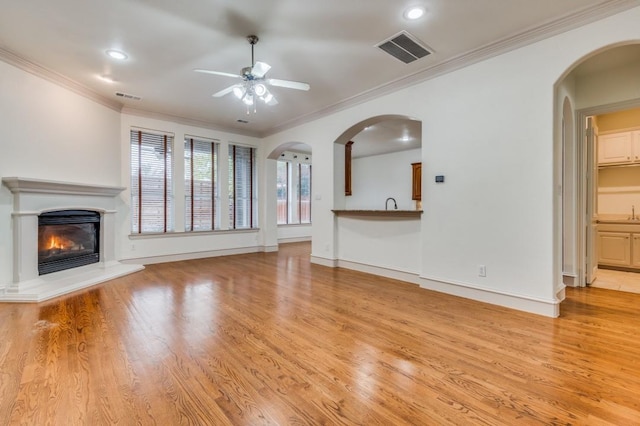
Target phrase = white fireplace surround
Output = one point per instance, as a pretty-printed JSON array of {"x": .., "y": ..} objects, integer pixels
[{"x": 31, "y": 197}]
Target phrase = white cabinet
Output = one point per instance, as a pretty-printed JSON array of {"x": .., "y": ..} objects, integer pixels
[
  {"x": 619, "y": 245},
  {"x": 635, "y": 250},
  {"x": 619, "y": 148},
  {"x": 614, "y": 248}
]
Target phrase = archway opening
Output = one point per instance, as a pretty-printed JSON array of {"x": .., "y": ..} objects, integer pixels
[
  {"x": 601, "y": 87},
  {"x": 373, "y": 162},
  {"x": 291, "y": 165}
]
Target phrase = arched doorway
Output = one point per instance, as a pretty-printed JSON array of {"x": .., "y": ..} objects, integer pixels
[
  {"x": 602, "y": 83},
  {"x": 291, "y": 165}
]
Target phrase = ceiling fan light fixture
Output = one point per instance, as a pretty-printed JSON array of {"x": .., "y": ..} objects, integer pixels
[
  {"x": 239, "y": 92},
  {"x": 260, "y": 89},
  {"x": 248, "y": 99},
  {"x": 267, "y": 98}
]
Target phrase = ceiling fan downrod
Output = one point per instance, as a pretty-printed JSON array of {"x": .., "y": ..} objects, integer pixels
[{"x": 252, "y": 39}]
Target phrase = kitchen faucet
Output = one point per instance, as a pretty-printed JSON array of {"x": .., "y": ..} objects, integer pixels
[{"x": 386, "y": 203}]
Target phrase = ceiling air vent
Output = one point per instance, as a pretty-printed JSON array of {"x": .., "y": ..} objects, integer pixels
[
  {"x": 128, "y": 96},
  {"x": 405, "y": 47}
]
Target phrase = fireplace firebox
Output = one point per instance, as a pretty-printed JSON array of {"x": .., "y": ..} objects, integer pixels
[{"x": 67, "y": 239}]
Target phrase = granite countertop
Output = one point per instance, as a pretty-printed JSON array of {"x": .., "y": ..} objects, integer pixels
[{"x": 374, "y": 212}]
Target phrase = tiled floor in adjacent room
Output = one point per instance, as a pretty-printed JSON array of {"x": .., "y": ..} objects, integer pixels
[{"x": 617, "y": 280}]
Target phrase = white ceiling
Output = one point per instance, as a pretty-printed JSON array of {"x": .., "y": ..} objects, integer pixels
[{"x": 328, "y": 44}]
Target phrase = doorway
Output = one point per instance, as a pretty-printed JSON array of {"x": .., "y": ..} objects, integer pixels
[
  {"x": 616, "y": 194},
  {"x": 600, "y": 85}
]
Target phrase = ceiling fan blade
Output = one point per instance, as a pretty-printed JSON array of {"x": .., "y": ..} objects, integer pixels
[
  {"x": 288, "y": 84},
  {"x": 225, "y": 74},
  {"x": 225, "y": 91},
  {"x": 260, "y": 69}
]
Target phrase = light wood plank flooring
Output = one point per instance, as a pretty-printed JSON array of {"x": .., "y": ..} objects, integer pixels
[{"x": 269, "y": 338}]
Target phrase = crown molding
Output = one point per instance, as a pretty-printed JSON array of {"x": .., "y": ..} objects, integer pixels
[
  {"x": 58, "y": 79},
  {"x": 189, "y": 121},
  {"x": 527, "y": 37}
]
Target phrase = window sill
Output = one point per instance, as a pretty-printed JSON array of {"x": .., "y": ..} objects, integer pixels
[
  {"x": 292, "y": 225},
  {"x": 190, "y": 233}
]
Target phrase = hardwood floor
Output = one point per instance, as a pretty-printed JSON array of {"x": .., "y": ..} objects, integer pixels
[{"x": 271, "y": 339}]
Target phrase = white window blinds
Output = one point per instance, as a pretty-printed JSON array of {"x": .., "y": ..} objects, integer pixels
[
  {"x": 304, "y": 193},
  {"x": 151, "y": 182},
  {"x": 282, "y": 185},
  {"x": 242, "y": 193},
  {"x": 201, "y": 185}
]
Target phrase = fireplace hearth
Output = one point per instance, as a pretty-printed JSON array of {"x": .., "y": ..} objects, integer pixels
[{"x": 67, "y": 239}]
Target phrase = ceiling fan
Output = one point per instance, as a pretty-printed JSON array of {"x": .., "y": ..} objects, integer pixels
[{"x": 254, "y": 82}]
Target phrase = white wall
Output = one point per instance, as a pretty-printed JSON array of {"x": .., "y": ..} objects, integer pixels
[
  {"x": 490, "y": 129},
  {"x": 48, "y": 132},
  {"x": 375, "y": 178}
]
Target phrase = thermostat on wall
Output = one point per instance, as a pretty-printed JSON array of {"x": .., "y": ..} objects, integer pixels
[{"x": 439, "y": 178}]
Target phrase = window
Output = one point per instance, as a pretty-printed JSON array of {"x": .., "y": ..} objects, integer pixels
[
  {"x": 151, "y": 182},
  {"x": 201, "y": 185},
  {"x": 304, "y": 192},
  {"x": 282, "y": 184},
  {"x": 242, "y": 192},
  {"x": 293, "y": 182}
]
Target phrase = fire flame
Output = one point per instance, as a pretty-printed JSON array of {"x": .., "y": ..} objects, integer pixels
[{"x": 59, "y": 243}]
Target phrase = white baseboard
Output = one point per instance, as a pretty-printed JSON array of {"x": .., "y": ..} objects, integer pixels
[
  {"x": 380, "y": 271},
  {"x": 569, "y": 280},
  {"x": 549, "y": 308},
  {"x": 293, "y": 240},
  {"x": 268, "y": 249},
  {"x": 195, "y": 255},
  {"x": 324, "y": 261}
]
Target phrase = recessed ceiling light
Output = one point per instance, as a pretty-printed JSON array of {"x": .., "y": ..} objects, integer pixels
[
  {"x": 116, "y": 54},
  {"x": 415, "y": 12}
]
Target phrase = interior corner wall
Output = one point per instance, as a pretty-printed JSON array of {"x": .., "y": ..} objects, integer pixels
[{"x": 49, "y": 132}]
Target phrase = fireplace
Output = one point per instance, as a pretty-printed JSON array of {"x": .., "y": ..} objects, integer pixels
[
  {"x": 67, "y": 239},
  {"x": 64, "y": 238}
]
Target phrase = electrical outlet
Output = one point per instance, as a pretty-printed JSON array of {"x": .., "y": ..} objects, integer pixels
[
  {"x": 482, "y": 271},
  {"x": 133, "y": 247}
]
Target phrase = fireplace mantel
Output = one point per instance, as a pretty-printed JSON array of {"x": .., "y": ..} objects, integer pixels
[
  {"x": 32, "y": 197},
  {"x": 39, "y": 186}
]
